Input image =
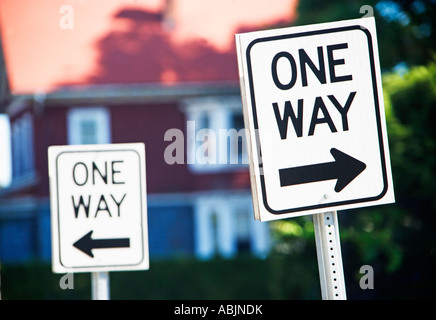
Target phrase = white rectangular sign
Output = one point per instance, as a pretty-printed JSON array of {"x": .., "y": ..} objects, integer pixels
[
  {"x": 98, "y": 207},
  {"x": 313, "y": 107}
]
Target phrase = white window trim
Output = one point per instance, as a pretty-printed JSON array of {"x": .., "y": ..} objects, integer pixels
[
  {"x": 23, "y": 156},
  {"x": 225, "y": 207},
  {"x": 100, "y": 114},
  {"x": 219, "y": 111}
]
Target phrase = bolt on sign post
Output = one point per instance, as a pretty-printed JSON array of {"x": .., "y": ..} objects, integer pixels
[
  {"x": 316, "y": 129},
  {"x": 98, "y": 210}
]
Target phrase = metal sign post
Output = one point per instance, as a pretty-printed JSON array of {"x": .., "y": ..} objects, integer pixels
[
  {"x": 100, "y": 285},
  {"x": 328, "y": 250}
]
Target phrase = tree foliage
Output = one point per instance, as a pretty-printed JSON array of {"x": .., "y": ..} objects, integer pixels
[{"x": 405, "y": 29}]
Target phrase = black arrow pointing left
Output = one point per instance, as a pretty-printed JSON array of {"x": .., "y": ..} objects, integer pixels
[{"x": 86, "y": 243}]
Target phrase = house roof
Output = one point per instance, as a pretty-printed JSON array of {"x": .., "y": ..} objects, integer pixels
[{"x": 127, "y": 42}]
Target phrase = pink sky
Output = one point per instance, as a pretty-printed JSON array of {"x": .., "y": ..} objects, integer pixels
[{"x": 39, "y": 53}]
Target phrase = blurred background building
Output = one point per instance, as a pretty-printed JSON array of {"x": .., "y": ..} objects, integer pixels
[{"x": 84, "y": 72}]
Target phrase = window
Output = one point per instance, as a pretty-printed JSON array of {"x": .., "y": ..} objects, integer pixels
[
  {"x": 238, "y": 125},
  {"x": 88, "y": 126},
  {"x": 23, "y": 163},
  {"x": 225, "y": 227},
  {"x": 216, "y": 138},
  {"x": 242, "y": 230}
]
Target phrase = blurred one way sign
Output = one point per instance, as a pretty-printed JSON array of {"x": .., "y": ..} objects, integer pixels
[
  {"x": 313, "y": 103},
  {"x": 98, "y": 208}
]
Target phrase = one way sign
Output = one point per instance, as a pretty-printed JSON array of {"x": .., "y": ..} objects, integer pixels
[
  {"x": 314, "y": 111},
  {"x": 98, "y": 207}
]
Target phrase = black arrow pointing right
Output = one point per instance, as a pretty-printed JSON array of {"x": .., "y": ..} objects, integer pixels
[
  {"x": 345, "y": 168},
  {"x": 86, "y": 243}
]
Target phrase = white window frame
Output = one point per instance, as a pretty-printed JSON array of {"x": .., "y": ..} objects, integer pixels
[
  {"x": 219, "y": 111},
  {"x": 23, "y": 155},
  {"x": 100, "y": 115},
  {"x": 223, "y": 241}
]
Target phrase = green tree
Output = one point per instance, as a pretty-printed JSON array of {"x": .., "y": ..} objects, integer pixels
[
  {"x": 412, "y": 98},
  {"x": 400, "y": 238},
  {"x": 397, "y": 240},
  {"x": 406, "y": 29}
]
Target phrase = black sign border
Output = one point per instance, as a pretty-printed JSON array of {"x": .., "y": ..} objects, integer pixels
[{"x": 377, "y": 113}]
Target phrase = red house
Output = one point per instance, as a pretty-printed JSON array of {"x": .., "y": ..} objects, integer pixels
[{"x": 149, "y": 78}]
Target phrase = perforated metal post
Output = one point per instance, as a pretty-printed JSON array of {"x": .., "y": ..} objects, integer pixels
[
  {"x": 100, "y": 286},
  {"x": 328, "y": 249}
]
